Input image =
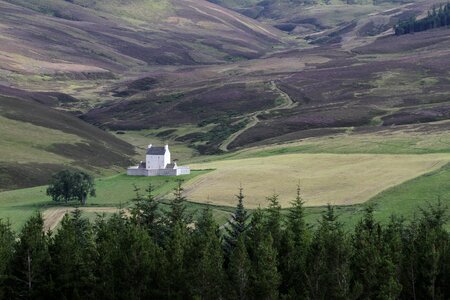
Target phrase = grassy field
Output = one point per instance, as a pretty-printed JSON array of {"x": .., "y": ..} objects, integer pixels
[
  {"x": 325, "y": 178},
  {"x": 404, "y": 200},
  {"x": 116, "y": 192}
]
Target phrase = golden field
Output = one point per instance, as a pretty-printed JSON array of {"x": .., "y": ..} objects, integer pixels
[{"x": 339, "y": 179}]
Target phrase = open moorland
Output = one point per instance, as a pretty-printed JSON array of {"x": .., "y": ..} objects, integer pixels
[{"x": 368, "y": 82}]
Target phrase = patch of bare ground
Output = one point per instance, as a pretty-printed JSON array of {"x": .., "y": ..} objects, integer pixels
[{"x": 53, "y": 216}]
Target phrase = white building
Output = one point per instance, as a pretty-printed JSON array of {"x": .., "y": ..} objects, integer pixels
[{"x": 158, "y": 163}]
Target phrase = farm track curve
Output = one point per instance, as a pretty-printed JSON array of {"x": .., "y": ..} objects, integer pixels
[{"x": 252, "y": 119}]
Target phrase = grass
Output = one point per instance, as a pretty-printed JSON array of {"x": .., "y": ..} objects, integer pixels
[
  {"x": 403, "y": 140},
  {"x": 403, "y": 200},
  {"x": 24, "y": 142},
  {"x": 325, "y": 178},
  {"x": 115, "y": 191}
]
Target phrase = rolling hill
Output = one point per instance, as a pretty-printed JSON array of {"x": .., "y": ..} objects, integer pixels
[
  {"x": 58, "y": 56},
  {"x": 38, "y": 140},
  {"x": 216, "y": 79},
  {"x": 356, "y": 82}
]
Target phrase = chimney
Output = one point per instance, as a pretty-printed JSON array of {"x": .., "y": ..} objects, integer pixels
[
  {"x": 149, "y": 146},
  {"x": 166, "y": 147}
]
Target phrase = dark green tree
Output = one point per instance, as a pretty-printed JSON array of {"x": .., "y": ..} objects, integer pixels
[
  {"x": 273, "y": 221},
  {"x": 129, "y": 263},
  {"x": 207, "y": 269},
  {"x": 31, "y": 262},
  {"x": 177, "y": 213},
  {"x": 178, "y": 248},
  {"x": 265, "y": 278},
  {"x": 294, "y": 247},
  {"x": 73, "y": 254},
  {"x": 70, "y": 185},
  {"x": 239, "y": 269},
  {"x": 327, "y": 271},
  {"x": 7, "y": 243},
  {"x": 237, "y": 225},
  {"x": 426, "y": 260},
  {"x": 374, "y": 269},
  {"x": 145, "y": 212}
]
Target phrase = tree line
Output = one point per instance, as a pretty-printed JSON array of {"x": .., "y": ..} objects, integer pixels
[
  {"x": 437, "y": 17},
  {"x": 153, "y": 252}
]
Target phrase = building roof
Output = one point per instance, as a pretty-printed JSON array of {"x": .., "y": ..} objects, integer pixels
[{"x": 156, "y": 151}]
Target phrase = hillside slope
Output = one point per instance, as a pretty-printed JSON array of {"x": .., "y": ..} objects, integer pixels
[
  {"x": 200, "y": 74},
  {"x": 103, "y": 39},
  {"x": 58, "y": 55},
  {"x": 38, "y": 141}
]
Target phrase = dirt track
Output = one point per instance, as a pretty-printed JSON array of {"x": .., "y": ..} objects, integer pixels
[
  {"x": 252, "y": 118},
  {"x": 53, "y": 216}
]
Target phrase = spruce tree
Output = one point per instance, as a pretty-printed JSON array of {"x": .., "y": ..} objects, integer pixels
[
  {"x": 145, "y": 211},
  {"x": 31, "y": 262},
  {"x": 294, "y": 246},
  {"x": 207, "y": 269},
  {"x": 73, "y": 255},
  {"x": 177, "y": 213},
  {"x": 428, "y": 244},
  {"x": 374, "y": 269},
  {"x": 7, "y": 242},
  {"x": 273, "y": 220},
  {"x": 265, "y": 278},
  {"x": 129, "y": 263},
  {"x": 237, "y": 225},
  {"x": 327, "y": 273},
  {"x": 177, "y": 250},
  {"x": 239, "y": 269}
]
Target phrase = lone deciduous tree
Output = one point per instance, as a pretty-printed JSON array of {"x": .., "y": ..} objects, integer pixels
[{"x": 70, "y": 185}]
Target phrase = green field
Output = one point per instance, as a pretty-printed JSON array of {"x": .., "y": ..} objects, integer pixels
[
  {"x": 397, "y": 171},
  {"x": 116, "y": 191}
]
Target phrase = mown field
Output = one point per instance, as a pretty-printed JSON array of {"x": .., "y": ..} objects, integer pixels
[{"x": 325, "y": 178}]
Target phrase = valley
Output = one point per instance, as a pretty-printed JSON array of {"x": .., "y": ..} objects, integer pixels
[{"x": 323, "y": 94}]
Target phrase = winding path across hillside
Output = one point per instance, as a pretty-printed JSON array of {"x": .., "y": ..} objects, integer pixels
[{"x": 252, "y": 119}]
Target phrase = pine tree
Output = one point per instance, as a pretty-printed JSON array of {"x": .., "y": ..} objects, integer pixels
[
  {"x": 177, "y": 213},
  {"x": 208, "y": 274},
  {"x": 177, "y": 249},
  {"x": 255, "y": 233},
  {"x": 295, "y": 242},
  {"x": 73, "y": 258},
  {"x": 31, "y": 262},
  {"x": 273, "y": 219},
  {"x": 374, "y": 270},
  {"x": 237, "y": 225},
  {"x": 426, "y": 258},
  {"x": 265, "y": 278},
  {"x": 129, "y": 263},
  {"x": 239, "y": 270},
  {"x": 327, "y": 270},
  {"x": 7, "y": 242},
  {"x": 145, "y": 212}
]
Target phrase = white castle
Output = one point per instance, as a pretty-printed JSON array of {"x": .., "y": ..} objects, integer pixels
[{"x": 157, "y": 163}]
